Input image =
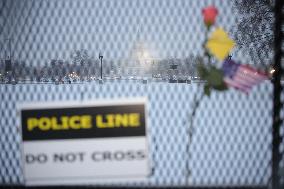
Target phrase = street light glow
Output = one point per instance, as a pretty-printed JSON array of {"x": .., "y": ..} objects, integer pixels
[{"x": 272, "y": 70}]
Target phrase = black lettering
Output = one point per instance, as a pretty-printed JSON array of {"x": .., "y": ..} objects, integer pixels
[
  {"x": 107, "y": 156},
  {"x": 81, "y": 156},
  {"x": 130, "y": 155},
  {"x": 30, "y": 158},
  {"x": 40, "y": 158},
  {"x": 141, "y": 154},
  {"x": 97, "y": 156},
  {"x": 69, "y": 157},
  {"x": 119, "y": 155},
  {"x": 58, "y": 157}
]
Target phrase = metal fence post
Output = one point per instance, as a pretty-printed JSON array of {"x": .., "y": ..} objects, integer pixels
[{"x": 277, "y": 105}]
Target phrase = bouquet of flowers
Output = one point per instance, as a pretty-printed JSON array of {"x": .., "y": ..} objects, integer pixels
[{"x": 216, "y": 67}]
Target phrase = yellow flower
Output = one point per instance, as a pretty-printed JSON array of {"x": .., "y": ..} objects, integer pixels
[{"x": 220, "y": 44}]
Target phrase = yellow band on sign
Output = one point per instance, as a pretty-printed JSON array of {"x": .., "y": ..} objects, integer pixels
[
  {"x": 76, "y": 122},
  {"x": 63, "y": 123},
  {"x": 118, "y": 120}
]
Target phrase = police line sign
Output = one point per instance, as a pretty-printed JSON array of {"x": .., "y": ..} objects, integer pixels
[{"x": 92, "y": 143}]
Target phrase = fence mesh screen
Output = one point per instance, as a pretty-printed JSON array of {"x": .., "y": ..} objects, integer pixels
[{"x": 50, "y": 52}]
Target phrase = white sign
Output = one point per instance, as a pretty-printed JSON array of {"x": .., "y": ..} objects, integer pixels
[{"x": 84, "y": 144}]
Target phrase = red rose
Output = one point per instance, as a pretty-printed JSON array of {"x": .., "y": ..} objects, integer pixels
[{"x": 209, "y": 15}]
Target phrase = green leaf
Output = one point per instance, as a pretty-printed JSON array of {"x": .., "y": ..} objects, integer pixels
[
  {"x": 207, "y": 90},
  {"x": 202, "y": 71},
  {"x": 221, "y": 87},
  {"x": 215, "y": 77}
]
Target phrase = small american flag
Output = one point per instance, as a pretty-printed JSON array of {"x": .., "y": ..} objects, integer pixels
[{"x": 242, "y": 77}]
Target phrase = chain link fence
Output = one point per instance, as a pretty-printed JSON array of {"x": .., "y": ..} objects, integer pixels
[{"x": 50, "y": 52}]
